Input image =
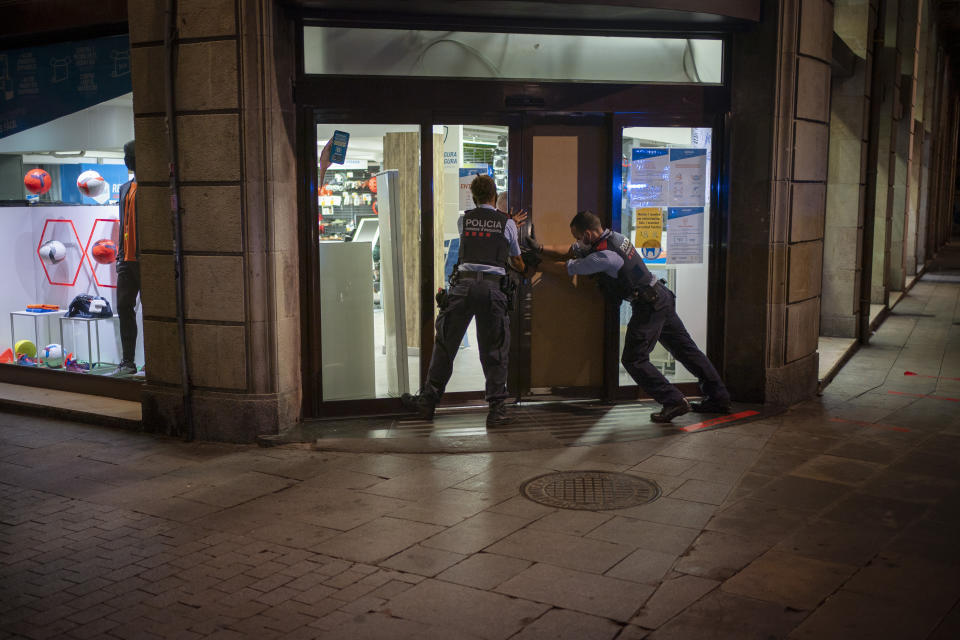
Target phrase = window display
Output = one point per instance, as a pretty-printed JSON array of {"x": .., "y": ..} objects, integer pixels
[{"x": 60, "y": 218}]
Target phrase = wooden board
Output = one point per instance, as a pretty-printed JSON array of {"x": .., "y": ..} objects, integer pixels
[{"x": 566, "y": 346}]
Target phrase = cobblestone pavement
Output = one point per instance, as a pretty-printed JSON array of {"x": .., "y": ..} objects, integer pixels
[{"x": 837, "y": 519}]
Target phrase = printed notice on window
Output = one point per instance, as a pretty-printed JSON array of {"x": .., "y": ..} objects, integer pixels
[
  {"x": 648, "y": 236},
  {"x": 688, "y": 179},
  {"x": 649, "y": 180},
  {"x": 685, "y": 235}
]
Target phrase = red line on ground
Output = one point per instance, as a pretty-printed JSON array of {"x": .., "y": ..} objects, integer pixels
[
  {"x": 924, "y": 375},
  {"x": 923, "y": 395},
  {"x": 872, "y": 424},
  {"x": 719, "y": 420}
]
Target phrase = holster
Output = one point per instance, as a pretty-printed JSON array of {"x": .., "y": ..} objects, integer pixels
[
  {"x": 509, "y": 288},
  {"x": 647, "y": 295},
  {"x": 443, "y": 299}
]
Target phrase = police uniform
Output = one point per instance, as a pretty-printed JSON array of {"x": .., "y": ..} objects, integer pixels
[
  {"x": 488, "y": 238},
  {"x": 624, "y": 276}
]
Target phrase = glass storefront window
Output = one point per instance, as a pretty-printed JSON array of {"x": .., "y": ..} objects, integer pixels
[
  {"x": 369, "y": 249},
  {"x": 665, "y": 211},
  {"x": 511, "y": 56},
  {"x": 60, "y": 187}
]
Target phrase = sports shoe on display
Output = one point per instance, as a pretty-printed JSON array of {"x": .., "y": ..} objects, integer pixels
[
  {"x": 709, "y": 405},
  {"x": 26, "y": 361},
  {"x": 498, "y": 415},
  {"x": 671, "y": 411},
  {"x": 423, "y": 406}
]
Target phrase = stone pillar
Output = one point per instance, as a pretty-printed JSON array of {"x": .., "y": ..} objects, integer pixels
[
  {"x": 849, "y": 111},
  {"x": 779, "y": 138},
  {"x": 926, "y": 103},
  {"x": 235, "y": 138},
  {"x": 888, "y": 92},
  {"x": 901, "y": 142}
]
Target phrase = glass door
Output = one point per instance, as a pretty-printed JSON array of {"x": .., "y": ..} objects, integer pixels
[
  {"x": 368, "y": 231},
  {"x": 468, "y": 150},
  {"x": 664, "y": 208}
]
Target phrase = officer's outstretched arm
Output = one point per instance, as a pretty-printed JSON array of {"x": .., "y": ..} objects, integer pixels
[
  {"x": 557, "y": 252},
  {"x": 554, "y": 267}
]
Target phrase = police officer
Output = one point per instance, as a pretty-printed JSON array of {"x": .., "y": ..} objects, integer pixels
[
  {"x": 623, "y": 276},
  {"x": 488, "y": 240}
]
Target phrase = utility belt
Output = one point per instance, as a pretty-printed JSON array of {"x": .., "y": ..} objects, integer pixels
[
  {"x": 463, "y": 276},
  {"x": 506, "y": 284},
  {"x": 647, "y": 294}
]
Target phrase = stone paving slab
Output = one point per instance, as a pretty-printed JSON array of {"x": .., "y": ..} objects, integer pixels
[{"x": 835, "y": 519}]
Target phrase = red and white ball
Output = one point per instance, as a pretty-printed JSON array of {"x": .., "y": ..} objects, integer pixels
[
  {"x": 92, "y": 185},
  {"x": 37, "y": 181},
  {"x": 104, "y": 251}
]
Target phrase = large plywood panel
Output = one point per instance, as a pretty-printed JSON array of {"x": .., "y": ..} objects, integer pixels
[
  {"x": 566, "y": 347},
  {"x": 401, "y": 151}
]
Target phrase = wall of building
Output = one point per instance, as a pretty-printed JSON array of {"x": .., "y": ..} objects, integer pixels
[
  {"x": 235, "y": 127},
  {"x": 237, "y": 168},
  {"x": 779, "y": 135}
]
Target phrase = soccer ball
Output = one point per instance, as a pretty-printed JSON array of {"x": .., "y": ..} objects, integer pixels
[
  {"x": 25, "y": 348},
  {"x": 53, "y": 355},
  {"x": 53, "y": 251},
  {"x": 91, "y": 184},
  {"x": 104, "y": 251},
  {"x": 37, "y": 181}
]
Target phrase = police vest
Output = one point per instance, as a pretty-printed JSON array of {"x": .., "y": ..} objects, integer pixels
[
  {"x": 632, "y": 276},
  {"x": 483, "y": 240}
]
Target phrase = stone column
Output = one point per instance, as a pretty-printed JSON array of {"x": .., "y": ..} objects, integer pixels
[
  {"x": 901, "y": 141},
  {"x": 926, "y": 104},
  {"x": 889, "y": 93},
  {"x": 779, "y": 138},
  {"x": 849, "y": 111},
  {"x": 235, "y": 138}
]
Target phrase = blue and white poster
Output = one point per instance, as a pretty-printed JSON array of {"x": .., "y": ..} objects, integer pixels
[
  {"x": 40, "y": 84},
  {"x": 685, "y": 235},
  {"x": 688, "y": 180},
  {"x": 649, "y": 178}
]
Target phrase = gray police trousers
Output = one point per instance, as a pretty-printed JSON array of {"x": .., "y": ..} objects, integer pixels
[
  {"x": 659, "y": 321},
  {"x": 471, "y": 298}
]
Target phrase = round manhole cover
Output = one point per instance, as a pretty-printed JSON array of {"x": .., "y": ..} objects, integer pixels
[{"x": 590, "y": 490}]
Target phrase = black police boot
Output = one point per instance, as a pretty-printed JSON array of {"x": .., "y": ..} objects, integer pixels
[
  {"x": 424, "y": 407},
  {"x": 709, "y": 405},
  {"x": 498, "y": 414},
  {"x": 671, "y": 411}
]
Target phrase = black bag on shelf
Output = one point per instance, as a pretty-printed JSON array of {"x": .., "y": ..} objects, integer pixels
[{"x": 88, "y": 306}]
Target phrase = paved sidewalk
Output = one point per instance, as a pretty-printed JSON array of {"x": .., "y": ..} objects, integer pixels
[{"x": 837, "y": 519}]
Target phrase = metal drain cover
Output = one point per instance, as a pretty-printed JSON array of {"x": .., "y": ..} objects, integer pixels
[{"x": 590, "y": 490}]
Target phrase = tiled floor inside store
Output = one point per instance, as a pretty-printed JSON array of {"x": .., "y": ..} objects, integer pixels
[{"x": 835, "y": 519}]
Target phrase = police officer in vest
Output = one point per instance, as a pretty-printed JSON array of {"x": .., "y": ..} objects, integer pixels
[
  {"x": 488, "y": 242},
  {"x": 623, "y": 276}
]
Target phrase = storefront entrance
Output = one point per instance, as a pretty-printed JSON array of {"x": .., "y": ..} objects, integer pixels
[{"x": 380, "y": 236}]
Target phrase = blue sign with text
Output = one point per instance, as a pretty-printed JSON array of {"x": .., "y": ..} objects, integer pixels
[{"x": 41, "y": 84}]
